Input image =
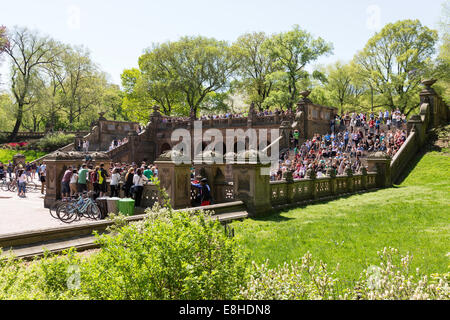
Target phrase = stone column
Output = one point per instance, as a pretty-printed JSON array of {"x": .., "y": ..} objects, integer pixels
[
  {"x": 57, "y": 162},
  {"x": 350, "y": 182},
  {"x": 287, "y": 176},
  {"x": 19, "y": 158},
  {"x": 251, "y": 183},
  {"x": 381, "y": 164},
  {"x": 428, "y": 95},
  {"x": 176, "y": 180},
  {"x": 331, "y": 173},
  {"x": 311, "y": 174},
  {"x": 364, "y": 178}
]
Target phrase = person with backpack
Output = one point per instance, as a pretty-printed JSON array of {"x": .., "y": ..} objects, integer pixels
[
  {"x": 82, "y": 178},
  {"x": 204, "y": 195},
  {"x": 93, "y": 177},
  {"x": 101, "y": 177}
]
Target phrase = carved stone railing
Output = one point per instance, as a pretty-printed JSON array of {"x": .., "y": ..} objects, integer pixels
[
  {"x": 150, "y": 195},
  {"x": 284, "y": 192}
]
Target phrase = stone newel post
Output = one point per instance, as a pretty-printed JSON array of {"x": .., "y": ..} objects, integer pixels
[
  {"x": 251, "y": 183},
  {"x": 176, "y": 180},
  {"x": 380, "y": 163}
]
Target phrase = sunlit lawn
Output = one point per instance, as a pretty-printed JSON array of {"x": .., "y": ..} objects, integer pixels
[
  {"x": 30, "y": 155},
  {"x": 413, "y": 216}
]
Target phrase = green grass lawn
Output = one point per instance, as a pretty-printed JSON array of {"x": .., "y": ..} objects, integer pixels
[
  {"x": 30, "y": 155},
  {"x": 412, "y": 217}
]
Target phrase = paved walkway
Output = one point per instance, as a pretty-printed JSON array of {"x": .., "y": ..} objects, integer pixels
[{"x": 25, "y": 214}]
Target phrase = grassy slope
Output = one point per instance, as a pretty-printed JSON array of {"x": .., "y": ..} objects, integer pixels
[
  {"x": 30, "y": 155},
  {"x": 413, "y": 216}
]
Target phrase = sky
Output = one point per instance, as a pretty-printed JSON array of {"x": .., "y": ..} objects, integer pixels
[{"x": 117, "y": 31}]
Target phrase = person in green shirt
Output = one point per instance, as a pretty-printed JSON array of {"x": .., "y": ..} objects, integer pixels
[
  {"x": 82, "y": 174},
  {"x": 148, "y": 172},
  {"x": 296, "y": 136}
]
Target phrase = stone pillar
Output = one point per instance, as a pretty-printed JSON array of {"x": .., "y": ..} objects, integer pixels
[
  {"x": 57, "y": 162},
  {"x": 287, "y": 176},
  {"x": 311, "y": 174},
  {"x": 251, "y": 183},
  {"x": 428, "y": 95},
  {"x": 176, "y": 180},
  {"x": 350, "y": 182},
  {"x": 381, "y": 164},
  {"x": 285, "y": 129},
  {"x": 19, "y": 158},
  {"x": 331, "y": 173},
  {"x": 364, "y": 178}
]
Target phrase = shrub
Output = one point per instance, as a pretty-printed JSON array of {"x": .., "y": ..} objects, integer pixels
[
  {"x": 391, "y": 280},
  {"x": 170, "y": 255},
  {"x": 54, "y": 141}
]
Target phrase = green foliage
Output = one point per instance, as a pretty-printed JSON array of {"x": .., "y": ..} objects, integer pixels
[
  {"x": 293, "y": 51},
  {"x": 184, "y": 72},
  {"x": 394, "y": 61},
  {"x": 53, "y": 141},
  {"x": 412, "y": 217},
  {"x": 30, "y": 155},
  {"x": 169, "y": 255},
  {"x": 255, "y": 65},
  {"x": 307, "y": 279}
]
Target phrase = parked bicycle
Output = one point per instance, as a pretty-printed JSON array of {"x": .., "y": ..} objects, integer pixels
[{"x": 84, "y": 206}]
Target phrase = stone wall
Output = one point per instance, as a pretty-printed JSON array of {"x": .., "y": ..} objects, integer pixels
[{"x": 433, "y": 113}]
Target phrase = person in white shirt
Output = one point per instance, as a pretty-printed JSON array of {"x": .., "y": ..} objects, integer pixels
[
  {"x": 21, "y": 181},
  {"x": 73, "y": 182},
  {"x": 138, "y": 186},
  {"x": 114, "y": 184}
]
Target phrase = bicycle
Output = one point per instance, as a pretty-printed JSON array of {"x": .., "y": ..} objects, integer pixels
[
  {"x": 4, "y": 184},
  {"x": 84, "y": 206},
  {"x": 53, "y": 209}
]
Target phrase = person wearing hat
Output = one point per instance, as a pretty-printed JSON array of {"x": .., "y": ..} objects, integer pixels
[{"x": 204, "y": 195}]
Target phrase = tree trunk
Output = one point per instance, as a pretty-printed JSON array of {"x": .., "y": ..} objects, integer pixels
[{"x": 13, "y": 135}]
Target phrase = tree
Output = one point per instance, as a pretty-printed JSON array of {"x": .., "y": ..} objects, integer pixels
[
  {"x": 3, "y": 39},
  {"x": 442, "y": 66},
  {"x": 189, "y": 68},
  {"x": 293, "y": 51},
  {"x": 255, "y": 64},
  {"x": 393, "y": 61},
  {"x": 29, "y": 52}
]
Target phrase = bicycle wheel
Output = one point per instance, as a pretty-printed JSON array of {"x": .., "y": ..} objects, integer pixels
[
  {"x": 94, "y": 211},
  {"x": 31, "y": 187},
  {"x": 67, "y": 212},
  {"x": 5, "y": 186},
  {"x": 12, "y": 186},
  {"x": 53, "y": 208}
]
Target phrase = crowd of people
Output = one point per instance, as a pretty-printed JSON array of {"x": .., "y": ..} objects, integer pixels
[
  {"x": 23, "y": 174},
  {"x": 229, "y": 115},
  {"x": 350, "y": 139},
  {"x": 120, "y": 176}
]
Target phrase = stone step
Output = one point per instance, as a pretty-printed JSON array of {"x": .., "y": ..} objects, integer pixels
[
  {"x": 56, "y": 246},
  {"x": 31, "y": 244}
]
